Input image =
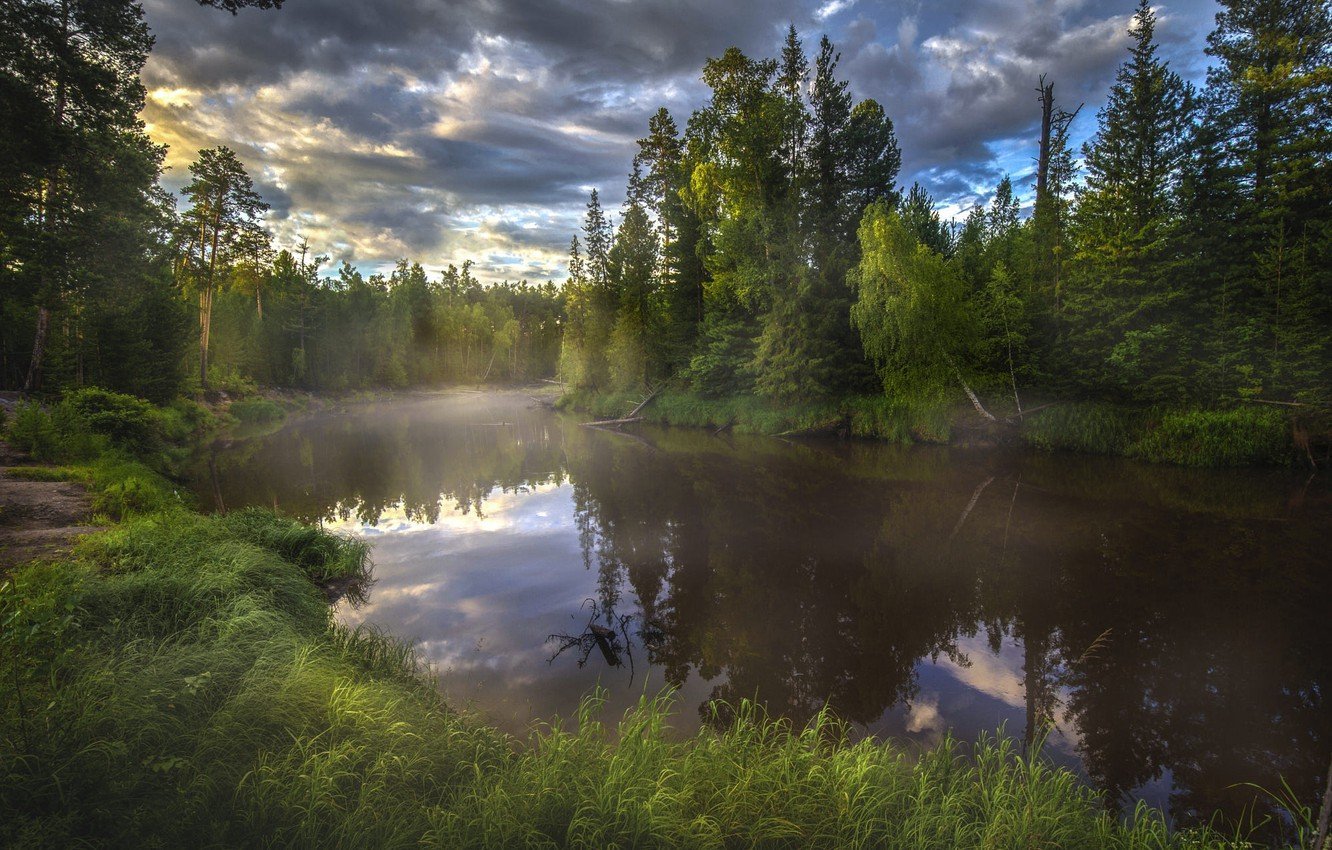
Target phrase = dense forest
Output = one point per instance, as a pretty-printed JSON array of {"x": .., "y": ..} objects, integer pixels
[
  {"x": 765, "y": 250},
  {"x": 1180, "y": 258}
]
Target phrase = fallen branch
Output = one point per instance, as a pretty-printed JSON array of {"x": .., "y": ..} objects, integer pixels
[
  {"x": 613, "y": 423},
  {"x": 644, "y": 403},
  {"x": 1021, "y": 414},
  {"x": 1281, "y": 403}
]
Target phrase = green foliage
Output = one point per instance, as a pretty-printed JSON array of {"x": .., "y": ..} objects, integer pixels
[
  {"x": 322, "y": 555},
  {"x": 252, "y": 410},
  {"x": 1197, "y": 437},
  {"x": 128, "y": 423},
  {"x": 901, "y": 421},
  {"x": 911, "y": 308},
  {"x": 124, "y": 488},
  {"x": 1240, "y": 437},
  {"x": 32, "y": 431},
  {"x": 49, "y": 473}
]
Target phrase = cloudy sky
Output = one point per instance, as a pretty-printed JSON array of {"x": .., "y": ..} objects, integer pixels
[{"x": 445, "y": 130}]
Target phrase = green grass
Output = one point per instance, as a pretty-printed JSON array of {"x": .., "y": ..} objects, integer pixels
[
  {"x": 256, "y": 410},
  {"x": 79, "y": 474},
  {"x": 1090, "y": 427},
  {"x": 1244, "y": 436}
]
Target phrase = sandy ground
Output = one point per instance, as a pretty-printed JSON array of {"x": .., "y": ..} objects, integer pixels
[{"x": 38, "y": 519}]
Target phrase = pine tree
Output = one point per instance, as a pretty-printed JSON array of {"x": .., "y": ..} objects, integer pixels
[{"x": 221, "y": 228}]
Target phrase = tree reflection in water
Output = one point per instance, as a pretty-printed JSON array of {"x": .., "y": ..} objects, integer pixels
[{"x": 1173, "y": 623}]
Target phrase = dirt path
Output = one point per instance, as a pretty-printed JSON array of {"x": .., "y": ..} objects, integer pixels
[{"x": 38, "y": 519}]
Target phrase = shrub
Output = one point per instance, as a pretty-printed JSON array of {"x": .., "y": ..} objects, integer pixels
[{"x": 129, "y": 423}]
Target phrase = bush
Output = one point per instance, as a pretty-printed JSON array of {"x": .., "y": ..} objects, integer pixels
[
  {"x": 129, "y": 423},
  {"x": 186, "y": 418},
  {"x": 256, "y": 410},
  {"x": 33, "y": 431},
  {"x": 1241, "y": 437}
]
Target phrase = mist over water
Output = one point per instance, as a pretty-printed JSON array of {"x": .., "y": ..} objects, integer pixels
[{"x": 1166, "y": 630}]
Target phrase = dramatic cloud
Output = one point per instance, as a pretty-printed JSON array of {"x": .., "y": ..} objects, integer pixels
[{"x": 444, "y": 130}]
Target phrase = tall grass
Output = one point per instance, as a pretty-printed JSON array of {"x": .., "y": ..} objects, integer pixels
[
  {"x": 1241, "y": 436},
  {"x": 256, "y": 410},
  {"x": 875, "y": 417},
  {"x": 1244, "y": 436}
]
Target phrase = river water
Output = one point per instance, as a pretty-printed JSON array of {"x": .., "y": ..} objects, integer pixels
[{"x": 1166, "y": 632}]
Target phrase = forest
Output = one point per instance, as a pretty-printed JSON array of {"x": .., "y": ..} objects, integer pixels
[{"x": 1179, "y": 260}]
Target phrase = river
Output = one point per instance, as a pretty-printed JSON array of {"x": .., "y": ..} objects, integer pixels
[{"x": 1166, "y": 632}]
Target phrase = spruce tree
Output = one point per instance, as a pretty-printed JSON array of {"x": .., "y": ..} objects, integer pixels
[{"x": 1127, "y": 313}]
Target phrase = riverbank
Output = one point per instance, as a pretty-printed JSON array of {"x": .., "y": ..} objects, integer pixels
[
  {"x": 178, "y": 679},
  {"x": 1243, "y": 435}
]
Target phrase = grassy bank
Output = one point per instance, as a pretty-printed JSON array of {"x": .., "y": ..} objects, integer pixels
[
  {"x": 1239, "y": 436},
  {"x": 179, "y": 681}
]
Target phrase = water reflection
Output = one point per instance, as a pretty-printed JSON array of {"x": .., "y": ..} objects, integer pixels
[{"x": 1165, "y": 630}]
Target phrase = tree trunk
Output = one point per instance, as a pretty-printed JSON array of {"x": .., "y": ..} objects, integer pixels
[
  {"x": 34, "y": 379},
  {"x": 975, "y": 401},
  {"x": 206, "y": 299},
  {"x": 1047, "y": 123}
]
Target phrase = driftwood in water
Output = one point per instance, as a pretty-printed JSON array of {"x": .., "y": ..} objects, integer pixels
[
  {"x": 613, "y": 423},
  {"x": 606, "y": 640}
]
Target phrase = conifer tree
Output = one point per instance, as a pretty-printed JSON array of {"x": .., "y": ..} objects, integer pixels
[{"x": 1128, "y": 322}]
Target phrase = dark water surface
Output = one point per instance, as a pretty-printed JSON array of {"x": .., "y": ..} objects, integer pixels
[{"x": 1172, "y": 629}]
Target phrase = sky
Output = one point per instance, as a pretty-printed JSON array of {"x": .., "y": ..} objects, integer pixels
[{"x": 447, "y": 130}]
